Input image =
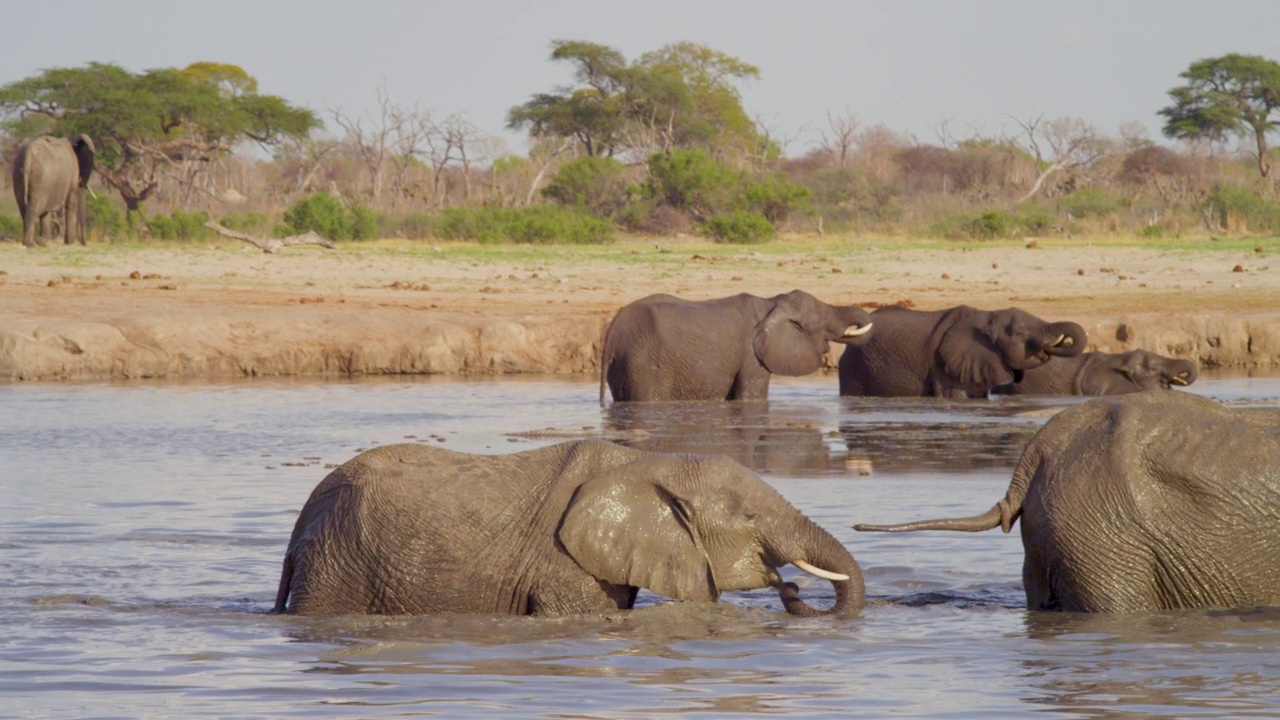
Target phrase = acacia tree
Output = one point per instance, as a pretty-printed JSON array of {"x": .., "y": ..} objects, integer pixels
[
  {"x": 1233, "y": 94},
  {"x": 681, "y": 95},
  {"x": 161, "y": 120}
]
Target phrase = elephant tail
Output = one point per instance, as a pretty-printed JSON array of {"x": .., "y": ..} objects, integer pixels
[
  {"x": 999, "y": 515},
  {"x": 286, "y": 581},
  {"x": 1003, "y": 514}
]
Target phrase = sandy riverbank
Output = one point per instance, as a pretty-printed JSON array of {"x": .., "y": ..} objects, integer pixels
[{"x": 224, "y": 310}]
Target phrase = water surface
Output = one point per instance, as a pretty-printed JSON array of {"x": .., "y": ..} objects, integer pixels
[{"x": 144, "y": 524}]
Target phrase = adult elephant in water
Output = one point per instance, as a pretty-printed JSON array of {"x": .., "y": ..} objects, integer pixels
[
  {"x": 664, "y": 348},
  {"x": 958, "y": 353},
  {"x": 51, "y": 173},
  {"x": 575, "y": 527},
  {"x": 1102, "y": 373},
  {"x": 1150, "y": 501}
]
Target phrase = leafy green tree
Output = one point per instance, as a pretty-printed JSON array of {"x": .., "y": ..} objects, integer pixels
[
  {"x": 693, "y": 182},
  {"x": 1233, "y": 94},
  {"x": 679, "y": 96},
  {"x": 162, "y": 120}
]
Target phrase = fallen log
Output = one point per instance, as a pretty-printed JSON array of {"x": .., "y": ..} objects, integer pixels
[{"x": 271, "y": 245}]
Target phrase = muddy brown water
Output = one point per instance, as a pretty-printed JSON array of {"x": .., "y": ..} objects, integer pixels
[{"x": 143, "y": 527}]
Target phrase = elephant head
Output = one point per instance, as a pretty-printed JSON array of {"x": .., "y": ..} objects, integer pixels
[
  {"x": 85, "y": 153},
  {"x": 793, "y": 338},
  {"x": 1133, "y": 371},
  {"x": 990, "y": 348},
  {"x": 695, "y": 532}
]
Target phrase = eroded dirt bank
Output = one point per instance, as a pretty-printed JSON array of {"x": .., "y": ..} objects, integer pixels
[{"x": 226, "y": 311}]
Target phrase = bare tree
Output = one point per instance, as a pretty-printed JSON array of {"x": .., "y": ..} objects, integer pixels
[
  {"x": 1059, "y": 144},
  {"x": 839, "y": 137}
]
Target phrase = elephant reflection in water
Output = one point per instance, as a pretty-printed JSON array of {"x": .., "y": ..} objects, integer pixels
[
  {"x": 907, "y": 447},
  {"x": 743, "y": 431}
]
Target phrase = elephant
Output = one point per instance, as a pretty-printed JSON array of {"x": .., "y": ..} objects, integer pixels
[
  {"x": 1158, "y": 500},
  {"x": 1103, "y": 373},
  {"x": 51, "y": 173},
  {"x": 577, "y": 527},
  {"x": 661, "y": 347},
  {"x": 961, "y": 352}
]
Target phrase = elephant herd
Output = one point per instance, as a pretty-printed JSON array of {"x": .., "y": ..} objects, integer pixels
[{"x": 1145, "y": 499}]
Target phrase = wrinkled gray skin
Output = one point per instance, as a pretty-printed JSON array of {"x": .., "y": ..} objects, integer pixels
[
  {"x": 1156, "y": 500},
  {"x": 572, "y": 528},
  {"x": 663, "y": 348},
  {"x": 49, "y": 174},
  {"x": 1101, "y": 373},
  {"x": 962, "y": 352}
]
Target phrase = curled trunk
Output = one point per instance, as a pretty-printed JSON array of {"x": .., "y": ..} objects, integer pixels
[{"x": 812, "y": 545}]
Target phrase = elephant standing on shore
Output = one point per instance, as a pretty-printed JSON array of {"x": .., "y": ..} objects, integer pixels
[
  {"x": 575, "y": 527},
  {"x": 1148, "y": 501},
  {"x": 962, "y": 352},
  {"x": 1102, "y": 373},
  {"x": 661, "y": 347},
  {"x": 50, "y": 173}
]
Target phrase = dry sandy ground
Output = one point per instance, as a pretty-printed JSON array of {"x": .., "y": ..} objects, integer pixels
[{"x": 223, "y": 309}]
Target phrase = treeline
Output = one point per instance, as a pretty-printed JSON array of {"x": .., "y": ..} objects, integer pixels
[{"x": 660, "y": 145}]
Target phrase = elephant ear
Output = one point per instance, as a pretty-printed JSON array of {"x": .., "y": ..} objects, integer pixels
[
  {"x": 970, "y": 355},
  {"x": 84, "y": 150},
  {"x": 633, "y": 532},
  {"x": 782, "y": 343}
]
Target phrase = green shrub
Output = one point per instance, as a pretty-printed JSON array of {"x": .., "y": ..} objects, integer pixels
[
  {"x": 539, "y": 224},
  {"x": 11, "y": 227},
  {"x": 104, "y": 216},
  {"x": 1035, "y": 219},
  {"x": 597, "y": 185},
  {"x": 179, "y": 225},
  {"x": 251, "y": 223},
  {"x": 989, "y": 224},
  {"x": 742, "y": 227},
  {"x": 331, "y": 218},
  {"x": 1151, "y": 232},
  {"x": 1089, "y": 201},
  {"x": 692, "y": 181},
  {"x": 1238, "y": 208},
  {"x": 777, "y": 198}
]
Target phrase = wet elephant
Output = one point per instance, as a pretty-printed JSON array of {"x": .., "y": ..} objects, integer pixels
[
  {"x": 664, "y": 348},
  {"x": 575, "y": 527},
  {"x": 1156, "y": 500},
  {"x": 1102, "y": 373},
  {"x": 52, "y": 173},
  {"x": 960, "y": 352}
]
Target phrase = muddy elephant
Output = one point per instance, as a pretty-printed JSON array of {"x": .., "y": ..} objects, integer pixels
[
  {"x": 52, "y": 173},
  {"x": 1102, "y": 373},
  {"x": 661, "y": 347},
  {"x": 1156, "y": 500},
  {"x": 571, "y": 528},
  {"x": 960, "y": 352}
]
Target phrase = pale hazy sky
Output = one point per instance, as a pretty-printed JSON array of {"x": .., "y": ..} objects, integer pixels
[{"x": 909, "y": 64}]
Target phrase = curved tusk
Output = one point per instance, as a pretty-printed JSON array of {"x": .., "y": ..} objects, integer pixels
[
  {"x": 1179, "y": 380},
  {"x": 1064, "y": 341},
  {"x": 824, "y": 574},
  {"x": 855, "y": 331}
]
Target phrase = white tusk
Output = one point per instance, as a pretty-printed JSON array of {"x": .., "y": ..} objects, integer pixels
[
  {"x": 824, "y": 574},
  {"x": 855, "y": 331},
  {"x": 1064, "y": 341},
  {"x": 1178, "y": 380}
]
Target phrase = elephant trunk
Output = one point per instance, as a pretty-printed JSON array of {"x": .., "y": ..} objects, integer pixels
[
  {"x": 816, "y": 551},
  {"x": 856, "y": 325},
  {"x": 1182, "y": 373},
  {"x": 82, "y": 216},
  {"x": 1067, "y": 339}
]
